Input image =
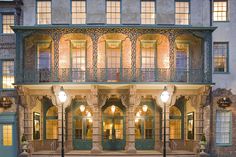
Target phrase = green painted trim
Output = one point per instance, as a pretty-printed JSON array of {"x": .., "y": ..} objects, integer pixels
[{"x": 155, "y": 27}]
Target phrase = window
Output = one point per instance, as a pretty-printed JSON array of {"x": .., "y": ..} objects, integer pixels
[
  {"x": 113, "y": 12},
  {"x": 220, "y": 57},
  {"x": 78, "y": 56},
  {"x": 51, "y": 123},
  {"x": 223, "y": 127},
  {"x": 7, "y": 74},
  {"x": 148, "y": 12},
  {"x": 220, "y": 10},
  {"x": 7, "y": 135},
  {"x": 113, "y": 59},
  {"x": 78, "y": 11},
  {"x": 175, "y": 123},
  {"x": 182, "y": 12},
  {"x": 44, "y": 12},
  {"x": 7, "y": 21},
  {"x": 148, "y": 60}
]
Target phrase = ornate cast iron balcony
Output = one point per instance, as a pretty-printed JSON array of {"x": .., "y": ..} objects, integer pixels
[{"x": 114, "y": 75}]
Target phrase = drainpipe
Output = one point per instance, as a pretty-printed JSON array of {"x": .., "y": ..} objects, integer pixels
[{"x": 211, "y": 1}]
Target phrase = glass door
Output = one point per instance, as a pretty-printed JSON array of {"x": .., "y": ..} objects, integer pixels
[
  {"x": 182, "y": 62},
  {"x": 113, "y": 129},
  {"x": 113, "y": 60}
]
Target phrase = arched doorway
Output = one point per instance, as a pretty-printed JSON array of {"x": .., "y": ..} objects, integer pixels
[
  {"x": 82, "y": 126},
  {"x": 113, "y": 126},
  {"x": 145, "y": 126}
]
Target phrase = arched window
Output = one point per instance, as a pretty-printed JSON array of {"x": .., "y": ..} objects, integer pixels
[
  {"x": 175, "y": 123},
  {"x": 52, "y": 123}
]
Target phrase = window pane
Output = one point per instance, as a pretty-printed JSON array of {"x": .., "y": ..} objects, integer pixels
[
  {"x": 51, "y": 129},
  {"x": 220, "y": 10},
  {"x": 182, "y": 13},
  {"x": 7, "y": 135},
  {"x": 8, "y": 74},
  {"x": 44, "y": 12},
  {"x": 78, "y": 11},
  {"x": 223, "y": 124},
  {"x": 220, "y": 57},
  {"x": 7, "y": 21},
  {"x": 148, "y": 12},
  {"x": 113, "y": 12}
]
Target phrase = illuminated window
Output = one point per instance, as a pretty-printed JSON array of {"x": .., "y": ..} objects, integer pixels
[
  {"x": 78, "y": 55},
  {"x": 148, "y": 54},
  {"x": 78, "y": 11},
  {"x": 52, "y": 123},
  {"x": 175, "y": 123},
  {"x": 182, "y": 12},
  {"x": 44, "y": 12},
  {"x": 113, "y": 12},
  {"x": 148, "y": 12},
  {"x": 7, "y": 21},
  {"x": 223, "y": 127},
  {"x": 8, "y": 74},
  {"x": 220, "y": 10},
  {"x": 7, "y": 135},
  {"x": 83, "y": 123},
  {"x": 113, "y": 59},
  {"x": 220, "y": 57}
]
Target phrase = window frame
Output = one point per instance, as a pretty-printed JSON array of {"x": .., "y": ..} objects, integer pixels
[
  {"x": 78, "y": 12},
  {"x": 230, "y": 129},
  {"x": 1, "y": 74},
  {"x": 189, "y": 13},
  {"x": 227, "y": 59},
  {"x": 107, "y": 12},
  {"x": 36, "y": 10},
  {"x": 1, "y": 22},
  {"x": 155, "y": 11},
  {"x": 227, "y": 11}
]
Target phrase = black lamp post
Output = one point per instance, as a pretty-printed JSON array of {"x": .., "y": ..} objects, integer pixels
[
  {"x": 165, "y": 95},
  {"x": 62, "y": 98}
]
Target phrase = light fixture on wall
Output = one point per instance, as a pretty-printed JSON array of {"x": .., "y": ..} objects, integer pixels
[
  {"x": 82, "y": 108},
  {"x": 89, "y": 114},
  {"x": 138, "y": 114},
  {"x": 136, "y": 120},
  {"x": 145, "y": 108},
  {"x": 113, "y": 108}
]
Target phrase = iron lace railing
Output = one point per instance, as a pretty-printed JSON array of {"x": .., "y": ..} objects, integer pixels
[{"x": 115, "y": 75}]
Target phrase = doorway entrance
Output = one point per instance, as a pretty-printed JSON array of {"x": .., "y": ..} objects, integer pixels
[{"x": 113, "y": 134}]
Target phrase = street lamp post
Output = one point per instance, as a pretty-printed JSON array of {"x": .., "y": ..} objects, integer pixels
[
  {"x": 62, "y": 98},
  {"x": 165, "y": 95}
]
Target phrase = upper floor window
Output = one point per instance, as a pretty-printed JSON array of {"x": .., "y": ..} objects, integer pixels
[
  {"x": 220, "y": 10},
  {"x": 182, "y": 12},
  {"x": 148, "y": 12},
  {"x": 220, "y": 57},
  {"x": 223, "y": 127},
  {"x": 113, "y": 11},
  {"x": 7, "y": 74},
  {"x": 7, "y": 21},
  {"x": 78, "y": 11},
  {"x": 44, "y": 12}
]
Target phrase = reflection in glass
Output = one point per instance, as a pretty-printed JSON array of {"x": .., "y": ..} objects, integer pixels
[
  {"x": 175, "y": 123},
  {"x": 118, "y": 129},
  {"x": 138, "y": 129},
  {"x": 107, "y": 128},
  {"x": 51, "y": 123},
  {"x": 7, "y": 135}
]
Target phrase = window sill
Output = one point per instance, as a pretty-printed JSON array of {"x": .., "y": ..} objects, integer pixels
[
  {"x": 226, "y": 73},
  {"x": 224, "y": 145},
  {"x": 227, "y": 21},
  {"x": 8, "y": 89}
]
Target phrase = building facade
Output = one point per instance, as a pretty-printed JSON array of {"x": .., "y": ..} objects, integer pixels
[{"x": 113, "y": 59}]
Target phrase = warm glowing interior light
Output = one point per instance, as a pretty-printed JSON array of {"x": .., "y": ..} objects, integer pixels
[
  {"x": 82, "y": 108},
  {"x": 113, "y": 108},
  {"x": 145, "y": 108},
  {"x": 88, "y": 114},
  {"x": 165, "y": 95}
]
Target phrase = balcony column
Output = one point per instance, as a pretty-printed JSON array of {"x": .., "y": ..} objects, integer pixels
[
  {"x": 95, "y": 37},
  {"x": 28, "y": 123},
  {"x": 56, "y": 36},
  {"x": 171, "y": 37},
  {"x": 208, "y": 57},
  {"x": 133, "y": 38}
]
